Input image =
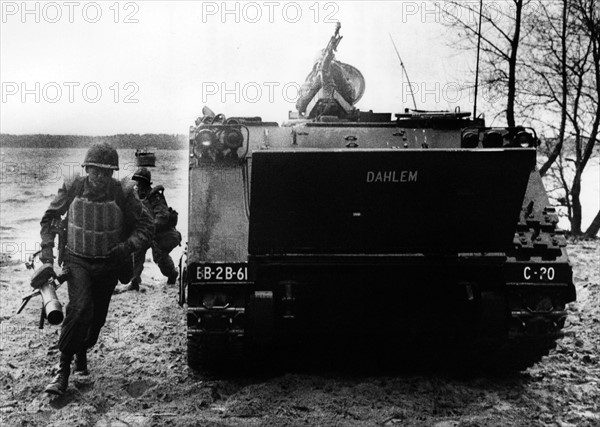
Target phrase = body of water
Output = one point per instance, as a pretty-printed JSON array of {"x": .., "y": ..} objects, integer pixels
[{"x": 30, "y": 178}]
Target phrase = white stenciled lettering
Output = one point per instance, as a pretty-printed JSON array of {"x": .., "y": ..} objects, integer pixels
[{"x": 391, "y": 176}]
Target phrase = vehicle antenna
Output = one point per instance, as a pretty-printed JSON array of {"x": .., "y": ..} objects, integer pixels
[
  {"x": 405, "y": 73},
  {"x": 477, "y": 66}
]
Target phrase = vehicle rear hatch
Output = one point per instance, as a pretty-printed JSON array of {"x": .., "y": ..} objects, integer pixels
[{"x": 386, "y": 202}]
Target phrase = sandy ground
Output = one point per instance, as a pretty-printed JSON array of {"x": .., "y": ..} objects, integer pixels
[{"x": 139, "y": 375}]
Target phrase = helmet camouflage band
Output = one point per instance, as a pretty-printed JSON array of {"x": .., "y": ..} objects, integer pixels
[
  {"x": 142, "y": 174},
  {"x": 102, "y": 155}
]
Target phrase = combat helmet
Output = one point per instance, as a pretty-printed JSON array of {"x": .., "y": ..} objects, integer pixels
[
  {"x": 142, "y": 174},
  {"x": 102, "y": 155}
]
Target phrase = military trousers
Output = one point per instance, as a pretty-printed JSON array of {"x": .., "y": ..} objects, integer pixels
[
  {"x": 162, "y": 245},
  {"x": 90, "y": 287},
  {"x": 161, "y": 258}
]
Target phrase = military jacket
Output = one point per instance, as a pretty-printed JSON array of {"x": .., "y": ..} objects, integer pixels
[
  {"x": 157, "y": 204},
  {"x": 138, "y": 222}
]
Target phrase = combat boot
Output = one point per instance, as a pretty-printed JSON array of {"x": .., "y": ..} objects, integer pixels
[
  {"x": 60, "y": 382},
  {"x": 81, "y": 364},
  {"x": 172, "y": 279},
  {"x": 133, "y": 286}
]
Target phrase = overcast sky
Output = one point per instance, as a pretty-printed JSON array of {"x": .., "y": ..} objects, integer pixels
[{"x": 101, "y": 68}]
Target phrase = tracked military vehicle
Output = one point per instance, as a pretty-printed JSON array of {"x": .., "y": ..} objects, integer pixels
[{"x": 364, "y": 227}]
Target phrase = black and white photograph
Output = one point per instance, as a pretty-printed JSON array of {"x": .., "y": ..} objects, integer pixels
[{"x": 300, "y": 213}]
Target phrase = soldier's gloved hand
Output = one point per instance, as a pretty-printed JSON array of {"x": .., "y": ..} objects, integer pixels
[
  {"x": 120, "y": 252},
  {"x": 42, "y": 275},
  {"x": 47, "y": 256}
]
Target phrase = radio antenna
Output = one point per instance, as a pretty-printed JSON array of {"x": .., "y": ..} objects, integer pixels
[
  {"x": 477, "y": 66},
  {"x": 405, "y": 73}
]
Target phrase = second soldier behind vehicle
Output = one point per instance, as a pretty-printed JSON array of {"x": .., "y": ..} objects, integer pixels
[{"x": 166, "y": 237}]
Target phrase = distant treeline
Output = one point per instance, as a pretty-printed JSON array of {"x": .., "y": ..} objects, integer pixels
[{"x": 160, "y": 141}]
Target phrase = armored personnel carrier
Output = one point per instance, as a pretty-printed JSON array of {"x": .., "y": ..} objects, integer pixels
[{"x": 367, "y": 228}]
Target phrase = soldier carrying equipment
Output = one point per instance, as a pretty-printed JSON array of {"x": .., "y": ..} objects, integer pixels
[
  {"x": 332, "y": 87},
  {"x": 166, "y": 237},
  {"x": 105, "y": 224}
]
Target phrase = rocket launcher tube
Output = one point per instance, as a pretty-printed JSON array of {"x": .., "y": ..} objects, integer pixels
[
  {"x": 45, "y": 281},
  {"x": 52, "y": 307}
]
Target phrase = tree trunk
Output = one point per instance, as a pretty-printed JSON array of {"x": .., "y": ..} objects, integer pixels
[
  {"x": 594, "y": 227},
  {"x": 576, "y": 203},
  {"x": 512, "y": 67},
  {"x": 564, "y": 90}
]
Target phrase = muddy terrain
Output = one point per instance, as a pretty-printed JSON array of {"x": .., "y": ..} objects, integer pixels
[{"x": 139, "y": 375}]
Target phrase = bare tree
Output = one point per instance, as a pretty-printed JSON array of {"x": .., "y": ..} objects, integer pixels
[
  {"x": 548, "y": 69},
  {"x": 501, "y": 34},
  {"x": 590, "y": 23},
  {"x": 544, "y": 58},
  {"x": 580, "y": 81}
]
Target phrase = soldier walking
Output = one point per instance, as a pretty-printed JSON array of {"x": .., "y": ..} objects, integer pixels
[
  {"x": 106, "y": 223},
  {"x": 166, "y": 236}
]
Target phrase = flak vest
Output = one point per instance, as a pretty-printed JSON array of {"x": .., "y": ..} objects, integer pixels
[{"x": 93, "y": 228}]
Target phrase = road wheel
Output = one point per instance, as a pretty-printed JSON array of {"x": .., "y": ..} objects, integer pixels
[{"x": 206, "y": 351}]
